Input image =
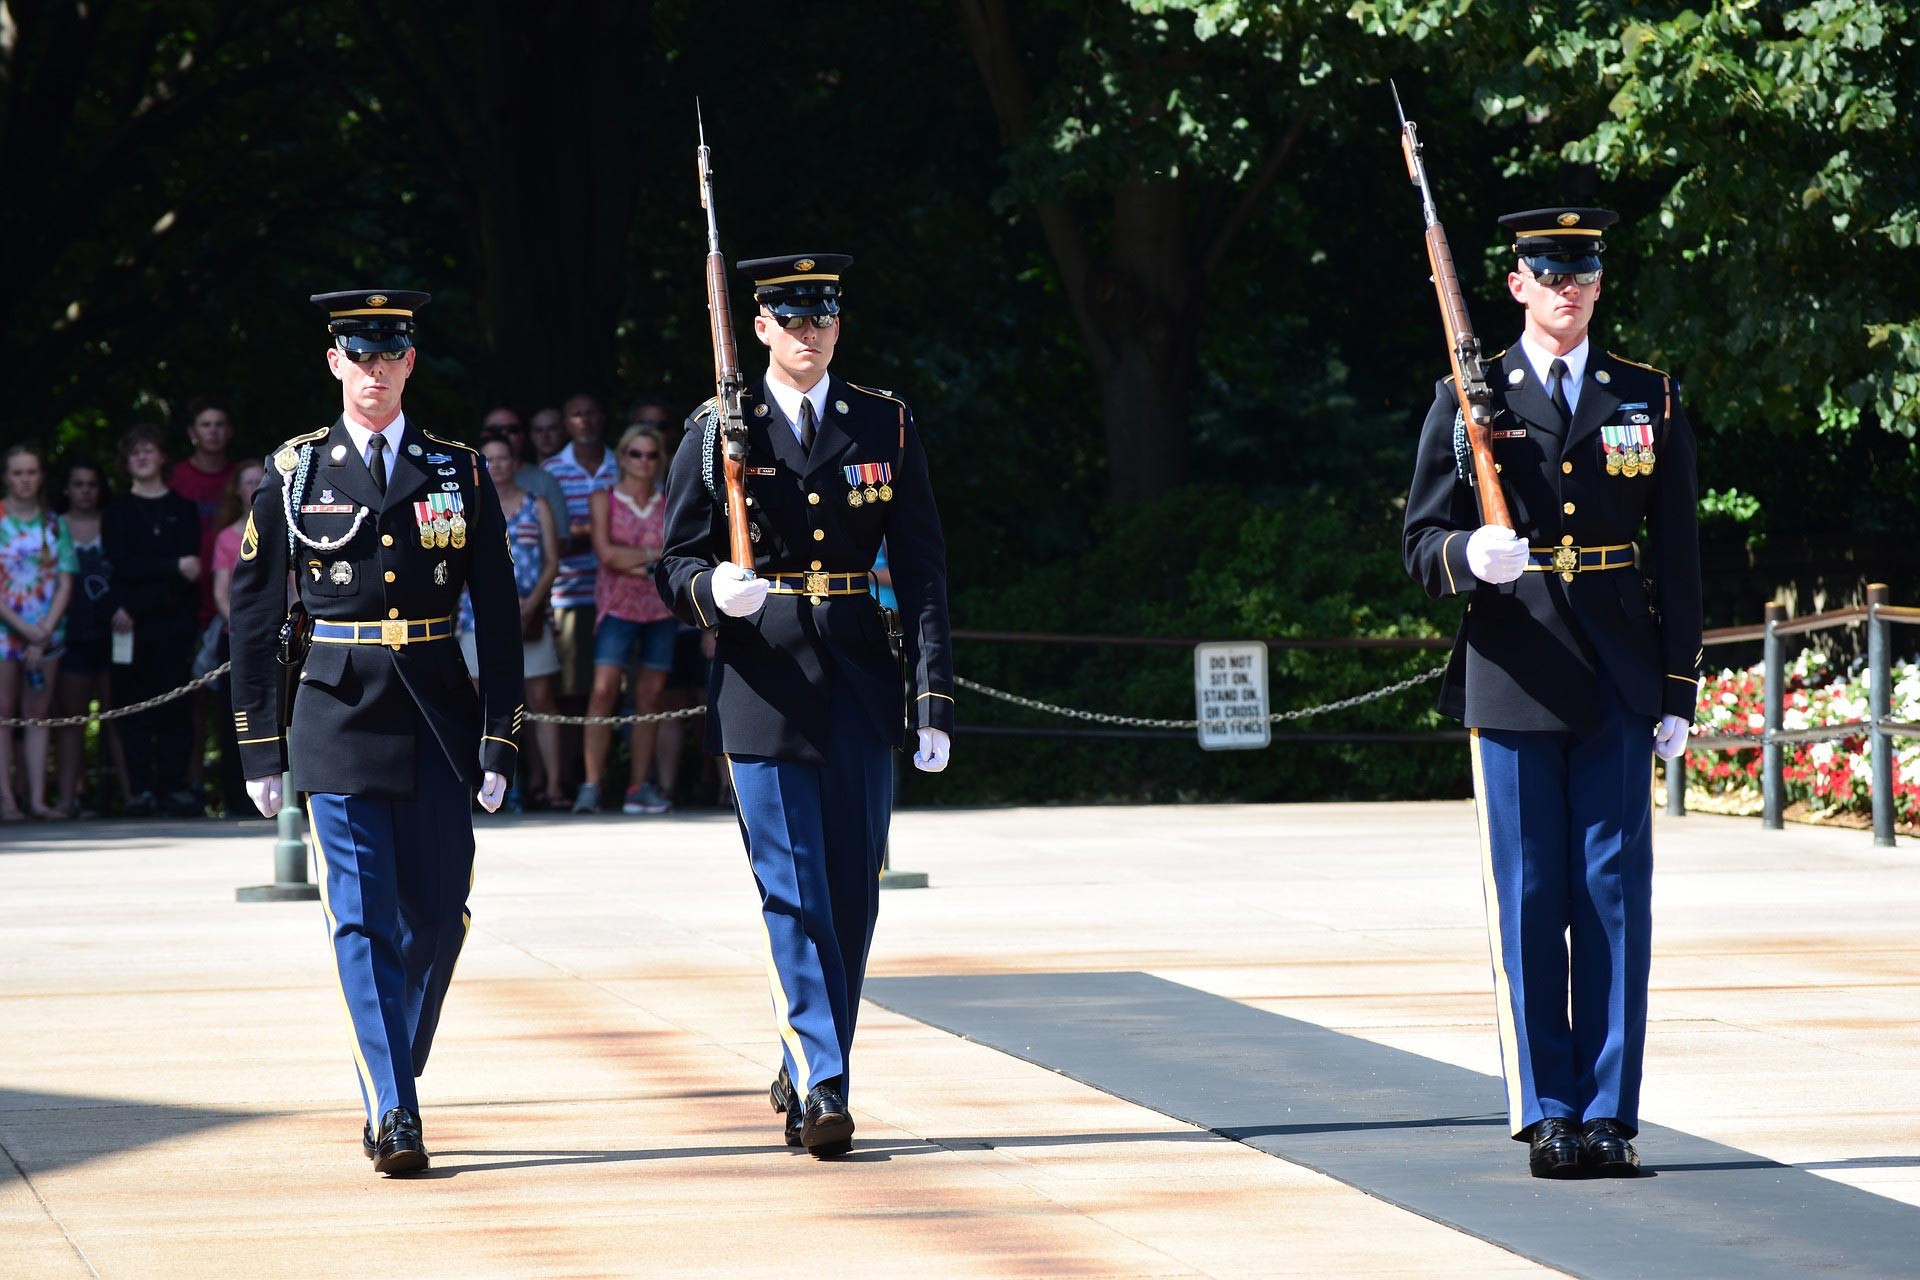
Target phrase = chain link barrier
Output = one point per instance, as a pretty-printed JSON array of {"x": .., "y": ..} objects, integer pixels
[
  {"x": 685, "y": 713},
  {"x": 120, "y": 713},
  {"x": 1149, "y": 722}
]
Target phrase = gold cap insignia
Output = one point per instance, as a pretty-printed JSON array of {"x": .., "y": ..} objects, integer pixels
[
  {"x": 1569, "y": 219},
  {"x": 376, "y": 299},
  {"x": 805, "y": 264}
]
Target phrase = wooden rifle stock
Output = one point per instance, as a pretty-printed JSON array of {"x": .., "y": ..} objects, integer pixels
[
  {"x": 1470, "y": 388},
  {"x": 729, "y": 386},
  {"x": 727, "y": 380}
]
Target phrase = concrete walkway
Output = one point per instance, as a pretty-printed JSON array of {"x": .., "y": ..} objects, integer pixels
[{"x": 176, "y": 1096}]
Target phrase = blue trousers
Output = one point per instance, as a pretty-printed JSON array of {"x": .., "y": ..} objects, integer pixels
[
  {"x": 1566, "y": 838},
  {"x": 815, "y": 835},
  {"x": 394, "y": 880}
]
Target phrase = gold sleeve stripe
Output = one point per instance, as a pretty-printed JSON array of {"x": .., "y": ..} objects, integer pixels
[
  {"x": 508, "y": 741},
  {"x": 693, "y": 591},
  {"x": 1685, "y": 679},
  {"x": 930, "y": 694},
  {"x": 245, "y": 741},
  {"x": 1451, "y": 589}
]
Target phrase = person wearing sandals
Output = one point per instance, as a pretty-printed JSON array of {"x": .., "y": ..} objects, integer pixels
[
  {"x": 635, "y": 630},
  {"x": 35, "y": 586}
]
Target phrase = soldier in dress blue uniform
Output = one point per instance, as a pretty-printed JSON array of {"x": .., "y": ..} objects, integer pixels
[
  {"x": 805, "y": 697},
  {"x": 382, "y": 525},
  {"x": 1579, "y": 654}
]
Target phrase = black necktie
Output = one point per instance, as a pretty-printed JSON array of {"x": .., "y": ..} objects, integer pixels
[
  {"x": 379, "y": 464},
  {"x": 807, "y": 427},
  {"x": 1557, "y": 373}
]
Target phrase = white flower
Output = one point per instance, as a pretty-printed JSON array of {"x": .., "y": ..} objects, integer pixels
[
  {"x": 1756, "y": 721},
  {"x": 1820, "y": 753},
  {"x": 1728, "y": 699}
]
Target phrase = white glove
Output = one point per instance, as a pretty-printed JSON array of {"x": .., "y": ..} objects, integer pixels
[
  {"x": 493, "y": 789},
  {"x": 935, "y": 748},
  {"x": 736, "y": 590},
  {"x": 265, "y": 793},
  {"x": 1670, "y": 737},
  {"x": 1496, "y": 554}
]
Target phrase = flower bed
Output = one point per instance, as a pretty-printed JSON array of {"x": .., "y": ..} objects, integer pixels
[{"x": 1825, "y": 781}]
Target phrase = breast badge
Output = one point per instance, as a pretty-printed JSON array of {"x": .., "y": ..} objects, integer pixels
[{"x": 340, "y": 573}]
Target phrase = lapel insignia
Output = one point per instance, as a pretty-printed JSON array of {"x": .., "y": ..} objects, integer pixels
[
  {"x": 1602, "y": 377},
  {"x": 840, "y": 406},
  {"x": 338, "y": 452},
  {"x": 1517, "y": 377},
  {"x": 414, "y": 449}
]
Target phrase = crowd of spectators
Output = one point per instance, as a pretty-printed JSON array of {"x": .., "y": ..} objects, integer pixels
[{"x": 118, "y": 588}]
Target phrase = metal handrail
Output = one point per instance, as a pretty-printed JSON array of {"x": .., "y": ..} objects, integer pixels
[{"x": 1880, "y": 727}]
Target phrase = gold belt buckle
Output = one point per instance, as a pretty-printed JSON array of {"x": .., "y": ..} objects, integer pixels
[
  {"x": 816, "y": 585},
  {"x": 393, "y": 631},
  {"x": 1566, "y": 559}
]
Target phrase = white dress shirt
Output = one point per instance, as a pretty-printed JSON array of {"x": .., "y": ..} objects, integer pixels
[
  {"x": 789, "y": 401},
  {"x": 1542, "y": 361},
  {"x": 363, "y": 438}
]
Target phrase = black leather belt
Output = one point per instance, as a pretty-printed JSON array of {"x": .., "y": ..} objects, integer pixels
[
  {"x": 817, "y": 584},
  {"x": 1572, "y": 560},
  {"x": 391, "y": 631}
]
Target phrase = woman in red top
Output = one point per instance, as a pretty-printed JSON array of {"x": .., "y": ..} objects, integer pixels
[{"x": 633, "y": 630}]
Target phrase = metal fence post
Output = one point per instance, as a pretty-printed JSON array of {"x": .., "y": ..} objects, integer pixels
[
  {"x": 290, "y": 882},
  {"x": 1772, "y": 782},
  {"x": 1880, "y": 710},
  {"x": 889, "y": 878}
]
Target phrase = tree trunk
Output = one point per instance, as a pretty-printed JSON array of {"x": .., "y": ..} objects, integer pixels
[{"x": 536, "y": 119}]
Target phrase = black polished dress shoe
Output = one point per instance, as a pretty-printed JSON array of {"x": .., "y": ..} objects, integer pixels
[
  {"x": 786, "y": 1100},
  {"x": 401, "y": 1149},
  {"x": 1608, "y": 1153},
  {"x": 1553, "y": 1149},
  {"x": 826, "y": 1129},
  {"x": 367, "y": 1147}
]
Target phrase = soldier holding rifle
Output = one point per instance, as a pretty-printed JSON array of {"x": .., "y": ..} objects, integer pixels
[
  {"x": 1555, "y": 490},
  {"x": 776, "y": 507}
]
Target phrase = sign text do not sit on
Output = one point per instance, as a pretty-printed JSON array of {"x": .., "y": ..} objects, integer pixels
[{"x": 1230, "y": 694}]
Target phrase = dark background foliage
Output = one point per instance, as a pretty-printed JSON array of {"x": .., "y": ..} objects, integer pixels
[{"x": 1150, "y": 274}]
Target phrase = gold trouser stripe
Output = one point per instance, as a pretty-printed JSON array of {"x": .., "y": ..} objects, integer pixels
[
  {"x": 339, "y": 983},
  {"x": 782, "y": 1011},
  {"x": 1502, "y": 988}
]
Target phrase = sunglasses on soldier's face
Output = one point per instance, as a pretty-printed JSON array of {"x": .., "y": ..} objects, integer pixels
[
  {"x": 385, "y": 357},
  {"x": 1554, "y": 279},
  {"x": 796, "y": 323}
]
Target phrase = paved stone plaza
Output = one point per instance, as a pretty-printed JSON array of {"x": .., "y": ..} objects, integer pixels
[{"x": 176, "y": 1096}]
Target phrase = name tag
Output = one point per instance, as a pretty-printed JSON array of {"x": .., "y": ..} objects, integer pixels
[
  {"x": 1516, "y": 433},
  {"x": 327, "y": 509},
  {"x": 763, "y": 471}
]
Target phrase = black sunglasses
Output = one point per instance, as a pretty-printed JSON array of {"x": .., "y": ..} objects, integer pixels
[
  {"x": 647, "y": 453},
  {"x": 792, "y": 323},
  {"x": 1554, "y": 279},
  {"x": 386, "y": 357}
]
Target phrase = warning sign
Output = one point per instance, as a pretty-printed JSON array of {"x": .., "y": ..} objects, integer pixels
[{"x": 1230, "y": 694}]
